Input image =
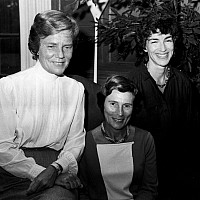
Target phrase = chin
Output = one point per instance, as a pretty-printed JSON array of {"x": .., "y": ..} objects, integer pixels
[
  {"x": 60, "y": 73},
  {"x": 163, "y": 64}
]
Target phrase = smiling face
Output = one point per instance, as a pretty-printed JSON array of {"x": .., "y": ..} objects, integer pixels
[
  {"x": 118, "y": 108},
  {"x": 55, "y": 52},
  {"x": 160, "y": 48}
]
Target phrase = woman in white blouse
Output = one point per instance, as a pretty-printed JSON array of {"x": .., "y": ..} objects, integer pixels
[{"x": 42, "y": 116}]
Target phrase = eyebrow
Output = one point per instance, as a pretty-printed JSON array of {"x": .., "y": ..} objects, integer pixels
[
  {"x": 158, "y": 39},
  {"x": 114, "y": 101},
  {"x": 55, "y": 44},
  {"x": 49, "y": 43}
]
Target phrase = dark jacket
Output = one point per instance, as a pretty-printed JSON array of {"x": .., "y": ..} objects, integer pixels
[
  {"x": 160, "y": 112},
  {"x": 171, "y": 117}
]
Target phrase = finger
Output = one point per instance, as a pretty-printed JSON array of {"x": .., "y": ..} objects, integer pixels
[
  {"x": 68, "y": 186},
  {"x": 77, "y": 182},
  {"x": 71, "y": 180},
  {"x": 74, "y": 183},
  {"x": 32, "y": 188}
]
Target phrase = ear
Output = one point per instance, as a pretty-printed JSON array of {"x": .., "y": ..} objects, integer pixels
[
  {"x": 145, "y": 50},
  {"x": 145, "y": 47}
]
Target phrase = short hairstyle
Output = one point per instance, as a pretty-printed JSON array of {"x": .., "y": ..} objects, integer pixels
[
  {"x": 115, "y": 82},
  {"x": 48, "y": 23}
]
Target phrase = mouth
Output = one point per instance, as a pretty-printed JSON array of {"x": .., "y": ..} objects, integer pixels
[
  {"x": 162, "y": 56},
  {"x": 118, "y": 120},
  {"x": 58, "y": 63}
]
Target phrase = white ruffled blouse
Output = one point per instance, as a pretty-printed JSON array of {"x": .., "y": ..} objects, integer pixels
[{"x": 39, "y": 109}]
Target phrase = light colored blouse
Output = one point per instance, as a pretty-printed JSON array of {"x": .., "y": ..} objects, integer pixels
[
  {"x": 116, "y": 169},
  {"x": 39, "y": 109}
]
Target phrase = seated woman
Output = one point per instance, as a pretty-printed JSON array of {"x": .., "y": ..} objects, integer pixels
[{"x": 119, "y": 160}]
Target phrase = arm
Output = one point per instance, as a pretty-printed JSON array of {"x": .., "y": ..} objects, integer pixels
[
  {"x": 76, "y": 138},
  {"x": 72, "y": 150},
  {"x": 148, "y": 190},
  {"x": 12, "y": 158}
]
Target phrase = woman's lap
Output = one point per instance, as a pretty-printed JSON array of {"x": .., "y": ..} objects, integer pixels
[
  {"x": 54, "y": 193},
  {"x": 14, "y": 188}
]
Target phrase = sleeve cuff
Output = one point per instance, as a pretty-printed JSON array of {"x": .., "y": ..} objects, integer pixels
[
  {"x": 35, "y": 171},
  {"x": 68, "y": 163}
]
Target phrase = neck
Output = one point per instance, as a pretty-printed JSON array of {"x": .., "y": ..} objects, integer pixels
[
  {"x": 158, "y": 73},
  {"x": 114, "y": 134}
]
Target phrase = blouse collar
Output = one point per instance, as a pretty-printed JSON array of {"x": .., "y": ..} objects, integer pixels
[
  {"x": 43, "y": 73},
  {"x": 147, "y": 74}
]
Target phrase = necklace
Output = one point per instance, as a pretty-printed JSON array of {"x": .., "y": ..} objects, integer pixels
[
  {"x": 166, "y": 79},
  {"x": 163, "y": 85},
  {"x": 106, "y": 136}
]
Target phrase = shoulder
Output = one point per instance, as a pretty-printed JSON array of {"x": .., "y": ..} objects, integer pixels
[
  {"x": 180, "y": 76},
  {"x": 141, "y": 135},
  {"x": 6, "y": 85},
  {"x": 181, "y": 82},
  {"x": 72, "y": 83},
  {"x": 11, "y": 81},
  {"x": 89, "y": 85},
  {"x": 90, "y": 142},
  {"x": 96, "y": 134},
  {"x": 143, "y": 142},
  {"x": 138, "y": 74},
  {"x": 137, "y": 71},
  {"x": 20, "y": 74},
  {"x": 22, "y": 78}
]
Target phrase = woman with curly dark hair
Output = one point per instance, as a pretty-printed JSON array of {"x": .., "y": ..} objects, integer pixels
[{"x": 166, "y": 106}]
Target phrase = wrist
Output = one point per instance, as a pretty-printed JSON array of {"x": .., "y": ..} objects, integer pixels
[{"x": 58, "y": 167}]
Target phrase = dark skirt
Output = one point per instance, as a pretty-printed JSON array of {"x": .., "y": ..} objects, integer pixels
[{"x": 14, "y": 188}]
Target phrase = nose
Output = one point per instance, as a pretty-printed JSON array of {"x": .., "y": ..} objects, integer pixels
[
  {"x": 59, "y": 53},
  {"x": 120, "y": 111},
  {"x": 162, "y": 46}
]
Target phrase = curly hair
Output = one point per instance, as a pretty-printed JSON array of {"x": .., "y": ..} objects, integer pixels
[
  {"x": 49, "y": 23},
  {"x": 156, "y": 20}
]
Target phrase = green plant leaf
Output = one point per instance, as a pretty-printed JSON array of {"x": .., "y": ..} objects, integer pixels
[
  {"x": 124, "y": 28},
  {"x": 193, "y": 24},
  {"x": 196, "y": 30},
  {"x": 192, "y": 40}
]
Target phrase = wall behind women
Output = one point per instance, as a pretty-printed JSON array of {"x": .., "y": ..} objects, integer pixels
[
  {"x": 9, "y": 37},
  {"x": 16, "y": 17}
]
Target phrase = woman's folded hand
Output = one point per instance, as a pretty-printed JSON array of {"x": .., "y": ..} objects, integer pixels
[{"x": 68, "y": 181}]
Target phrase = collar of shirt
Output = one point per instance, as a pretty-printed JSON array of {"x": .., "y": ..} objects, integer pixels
[
  {"x": 147, "y": 74},
  {"x": 43, "y": 73}
]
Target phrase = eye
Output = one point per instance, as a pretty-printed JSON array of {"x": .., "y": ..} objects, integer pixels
[
  {"x": 127, "y": 106},
  {"x": 112, "y": 103},
  {"x": 169, "y": 40},
  {"x": 154, "y": 41},
  {"x": 68, "y": 47},
  {"x": 50, "y": 46}
]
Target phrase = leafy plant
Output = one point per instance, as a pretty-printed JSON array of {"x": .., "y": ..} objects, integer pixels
[{"x": 122, "y": 32}]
